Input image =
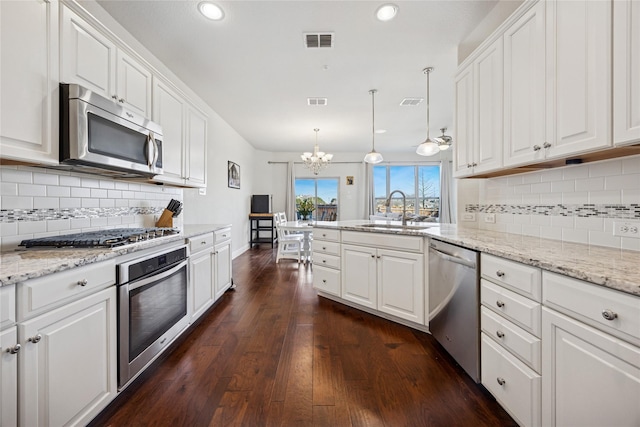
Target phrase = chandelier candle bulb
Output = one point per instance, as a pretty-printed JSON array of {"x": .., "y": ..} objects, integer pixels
[{"x": 317, "y": 160}]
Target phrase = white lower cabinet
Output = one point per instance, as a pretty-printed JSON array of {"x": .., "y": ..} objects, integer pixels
[
  {"x": 201, "y": 277},
  {"x": 386, "y": 280},
  {"x": 222, "y": 266},
  {"x": 326, "y": 261},
  {"x": 9, "y": 377},
  {"x": 67, "y": 364}
]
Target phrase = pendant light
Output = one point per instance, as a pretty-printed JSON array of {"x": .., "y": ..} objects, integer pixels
[
  {"x": 373, "y": 157},
  {"x": 317, "y": 160},
  {"x": 428, "y": 147}
]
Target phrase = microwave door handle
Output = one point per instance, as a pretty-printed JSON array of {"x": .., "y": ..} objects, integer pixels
[
  {"x": 156, "y": 152},
  {"x": 151, "y": 148}
]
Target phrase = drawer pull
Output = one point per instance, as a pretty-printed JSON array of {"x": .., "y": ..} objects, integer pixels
[
  {"x": 83, "y": 282},
  {"x": 324, "y": 248},
  {"x": 500, "y": 334},
  {"x": 204, "y": 242},
  {"x": 324, "y": 261},
  {"x": 324, "y": 235},
  {"x": 501, "y": 381},
  {"x": 609, "y": 315},
  {"x": 500, "y": 273},
  {"x": 15, "y": 349},
  {"x": 324, "y": 280},
  {"x": 35, "y": 339},
  {"x": 500, "y": 303}
]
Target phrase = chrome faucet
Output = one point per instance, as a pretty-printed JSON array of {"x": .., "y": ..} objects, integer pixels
[{"x": 404, "y": 204}]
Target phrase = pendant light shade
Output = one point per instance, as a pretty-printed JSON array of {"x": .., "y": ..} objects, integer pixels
[
  {"x": 428, "y": 147},
  {"x": 373, "y": 156}
]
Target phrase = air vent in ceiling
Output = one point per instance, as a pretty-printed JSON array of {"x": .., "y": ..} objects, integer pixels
[
  {"x": 316, "y": 40},
  {"x": 316, "y": 101},
  {"x": 410, "y": 102}
]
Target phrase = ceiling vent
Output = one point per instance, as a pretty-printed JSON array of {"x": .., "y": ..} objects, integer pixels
[
  {"x": 316, "y": 40},
  {"x": 316, "y": 101},
  {"x": 411, "y": 102}
]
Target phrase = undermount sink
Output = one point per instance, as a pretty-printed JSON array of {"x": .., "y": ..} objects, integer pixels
[{"x": 398, "y": 226}]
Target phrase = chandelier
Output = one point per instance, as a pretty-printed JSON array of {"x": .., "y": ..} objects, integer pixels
[{"x": 317, "y": 160}]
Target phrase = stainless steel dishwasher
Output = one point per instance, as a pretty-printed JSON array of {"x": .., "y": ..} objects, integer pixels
[{"x": 454, "y": 306}]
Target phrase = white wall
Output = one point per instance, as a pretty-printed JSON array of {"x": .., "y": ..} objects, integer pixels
[{"x": 574, "y": 203}]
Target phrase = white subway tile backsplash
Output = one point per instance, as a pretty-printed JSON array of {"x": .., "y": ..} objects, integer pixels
[
  {"x": 90, "y": 203},
  {"x": 8, "y": 229},
  {"x": 522, "y": 189},
  {"x": 605, "y": 197},
  {"x": 630, "y": 244},
  {"x": 575, "y": 197},
  {"x": 114, "y": 194},
  {"x": 16, "y": 202},
  {"x": 107, "y": 185},
  {"x": 8, "y": 189},
  {"x": 620, "y": 182},
  {"x": 551, "y": 198},
  {"x": 610, "y": 168},
  {"x": 589, "y": 223},
  {"x": 631, "y": 196},
  {"x": 122, "y": 203},
  {"x": 630, "y": 165},
  {"x": 43, "y": 178},
  {"x": 575, "y": 235},
  {"x": 78, "y": 223},
  {"x": 514, "y": 180},
  {"x": 553, "y": 233},
  {"x": 90, "y": 183},
  {"x": 69, "y": 203},
  {"x": 32, "y": 190},
  {"x": 551, "y": 175},
  {"x": 531, "y": 230},
  {"x": 541, "y": 220},
  {"x": 114, "y": 220},
  {"x": 107, "y": 203},
  {"x": 99, "y": 222},
  {"x": 17, "y": 176},
  {"x": 531, "y": 199},
  {"x": 70, "y": 181},
  {"x": 134, "y": 186},
  {"x": 80, "y": 192},
  {"x": 56, "y": 191},
  {"x": 58, "y": 225},
  {"x": 574, "y": 172},
  {"x": 531, "y": 178},
  {"x": 46, "y": 203},
  {"x": 119, "y": 185},
  {"x": 128, "y": 194},
  {"x": 540, "y": 188},
  {"x": 99, "y": 193},
  {"x": 30, "y": 227},
  {"x": 602, "y": 238},
  {"x": 590, "y": 184},
  {"x": 563, "y": 221},
  {"x": 563, "y": 186}
]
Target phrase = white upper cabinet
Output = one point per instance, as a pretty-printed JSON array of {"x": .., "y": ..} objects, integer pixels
[
  {"x": 87, "y": 57},
  {"x": 29, "y": 81},
  {"x": 463, "y": 149},
  {"x": 168, "y": 111},
  {"x": 133, "y": 85},
  {"x": 196, "y": 147},
  {"x": 524, "y": 85},
  {"x": 626, "y": 72},
  {"x": 578, "y": 61}
]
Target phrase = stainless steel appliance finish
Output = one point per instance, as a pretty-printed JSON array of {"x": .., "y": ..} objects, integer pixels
[
  {"x": 454, "y": 303},
  {"x": 152, "y": 308},
  {"x": 98, "y": 135}
]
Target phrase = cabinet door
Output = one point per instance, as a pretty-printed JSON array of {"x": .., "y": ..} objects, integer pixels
[
  {"x": 29, "y": 81},
  {"x": 8, "y": 378},
  {"x": 524, "y": 85},
  {"x": 359, "y": 275},
  {"x": 588, "y": 377},
  {"x": 168, "y": 111},
  {"x": 196, "y": 148},
  {"x": 401, "y": 284},
  {"x": 578, "y": 52},
  {"x": 201, "y": 272},
  {"x": 222, "y": 269},
  {"x": 133, "y": 85},
  {"x": 67, "y": 372},
  {"x": 87, "y": 57},
  {"x": 626, "y": 69},
  {"x": 463, "y": 148},
  {"x": 488, "y": 113}
]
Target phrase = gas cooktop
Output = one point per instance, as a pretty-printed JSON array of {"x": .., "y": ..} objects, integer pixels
[{"x": 112, "y": 238}]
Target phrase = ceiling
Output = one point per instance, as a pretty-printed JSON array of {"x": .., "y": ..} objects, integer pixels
[{"x": 254, "y": 70}]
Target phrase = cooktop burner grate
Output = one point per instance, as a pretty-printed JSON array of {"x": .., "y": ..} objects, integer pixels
[{"x": 111, "y": 238}]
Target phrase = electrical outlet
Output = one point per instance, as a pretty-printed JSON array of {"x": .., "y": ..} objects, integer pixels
[
  {"x": 490, "y": 218},
  {"x": 626, "y": 229},
  {"x": 468, "y": 216}
]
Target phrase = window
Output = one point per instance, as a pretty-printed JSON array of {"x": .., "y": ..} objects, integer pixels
[
  {"x": 324, "y": 194},
  {"x": 420, "y": 183}
]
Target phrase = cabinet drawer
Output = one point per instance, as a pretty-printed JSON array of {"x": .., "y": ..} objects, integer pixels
[
  {"x": 7, "y": 306},
  {"x": 385, "y": 241},
  {"x": 325, "y": 260},
  {"x": 200, "y": 243},
  {"x": 591, "y": 303},
  {"x": 523, "y": 311},
  {"x": 521, "y": 343},
  {"x": 326, "y": 234},
  {"x": 520, "y": 278},
  {"x": 222, "y": 235},
  {"x": 326, "y": 280},
  {"x": 513, "y": 384},
  {"x": 44, "y": 293},
  {"x": 331, "y": 248}
]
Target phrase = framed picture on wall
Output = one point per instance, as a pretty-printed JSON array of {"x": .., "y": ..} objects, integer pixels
[
  {"x": 233, "y": 174},
  {"x": 349, "y": 180}
]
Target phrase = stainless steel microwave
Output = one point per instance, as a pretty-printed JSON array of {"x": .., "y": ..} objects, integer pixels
[{"x": 97, "y": 135}]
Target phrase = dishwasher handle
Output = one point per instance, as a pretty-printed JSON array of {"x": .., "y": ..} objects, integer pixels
[{"x": 452, "y": 258}]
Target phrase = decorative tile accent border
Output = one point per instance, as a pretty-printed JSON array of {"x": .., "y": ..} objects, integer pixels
[
  {"x": 15, "y": 215},
  {"x": 631, "y": 211}
]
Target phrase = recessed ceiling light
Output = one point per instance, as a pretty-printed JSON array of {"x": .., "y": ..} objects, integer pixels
[
  {"x": 381, "y": 131},
  {"x": 211, "y": 11},
  {"x": 386, "y": 12}
]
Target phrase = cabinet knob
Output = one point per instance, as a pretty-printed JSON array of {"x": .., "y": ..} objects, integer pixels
[
  {"x": 324, "y": 248},
  {"x": 114, "y": 97},
  {"x": 500, "y": 334},
  {"x": 378, "y": 257},
  {"x": 83, "y": 282},
  {"x": 324, "y": 235},
  {"x": 36, "y": 339},
  {"x": 537, "y": 148},
  {"x": 15, "y": 349},
  {"x": 474, "y": 164},
  {"x": 130, "y": 115},
  {"x": 324, "y": 281},
  {"x": 501, "y": 381},
  {"x": 500, "y": 273},
  {"x": 609, "y": 315},
  {"x": 469, "y": 165},
  {"x": 324, "y": 261},
  {"x": 121, "y": 100},
  {"x": 500, "y": 303},
  {"x": 546, "y": 145},
  {"x": 373, "y": 256}
]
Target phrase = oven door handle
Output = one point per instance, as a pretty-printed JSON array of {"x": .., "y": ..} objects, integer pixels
[{"x": 156, "y": 277}]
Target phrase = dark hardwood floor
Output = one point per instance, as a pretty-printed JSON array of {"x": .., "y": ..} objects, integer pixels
[{"x": 273, "y": 353}]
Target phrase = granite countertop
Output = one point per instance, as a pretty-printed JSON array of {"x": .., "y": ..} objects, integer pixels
[
  {"x": 613, "y": 268},
  {"x": 18, "y": 266}
]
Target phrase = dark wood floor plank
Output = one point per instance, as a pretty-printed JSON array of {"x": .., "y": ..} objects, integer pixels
[{"x": 273, "y": 353}]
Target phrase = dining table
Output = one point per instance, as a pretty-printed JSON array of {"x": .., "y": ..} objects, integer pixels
[{"x": 306, "y": 229}]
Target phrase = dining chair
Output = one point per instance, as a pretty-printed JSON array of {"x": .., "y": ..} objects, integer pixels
[{"x": 289, "y": 245}]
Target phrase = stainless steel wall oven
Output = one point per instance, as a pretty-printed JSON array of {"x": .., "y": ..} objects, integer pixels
[{"x": 152, "y": 308}]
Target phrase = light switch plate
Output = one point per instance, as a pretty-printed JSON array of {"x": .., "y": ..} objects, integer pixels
[{"x": 626, "y": 229}]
